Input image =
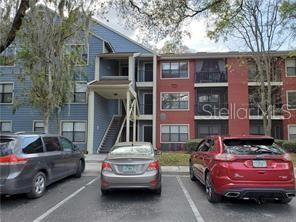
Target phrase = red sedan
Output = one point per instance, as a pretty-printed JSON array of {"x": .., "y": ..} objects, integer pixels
[{"x": 246, "y": 167}]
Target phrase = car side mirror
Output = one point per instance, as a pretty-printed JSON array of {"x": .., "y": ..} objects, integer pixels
[{"x": 75, "y": 148}]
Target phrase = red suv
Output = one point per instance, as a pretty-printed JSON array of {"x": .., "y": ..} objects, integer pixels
[{"x": 245, "y": 167}]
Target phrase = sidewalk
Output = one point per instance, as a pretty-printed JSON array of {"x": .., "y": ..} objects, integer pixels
[{"x": 93, "y": 166}]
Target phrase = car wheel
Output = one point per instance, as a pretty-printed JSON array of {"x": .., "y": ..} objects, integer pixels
[
  {"x": 212, "y": 196},
  {"x": 38, "y": 185},
  {"x": 80, "y": 169},
  {"x": 104, "y": 192},
  {"x": 284, "y": 200},
  {"x": 158, "y": 190},
  {"x": 192, "y": 177}
]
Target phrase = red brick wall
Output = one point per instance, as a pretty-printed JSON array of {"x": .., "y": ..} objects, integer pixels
[
  {"x": 238, "y": 99},
  {"x": 176, "y": 117},
  {"x": 289, "y": 83}
]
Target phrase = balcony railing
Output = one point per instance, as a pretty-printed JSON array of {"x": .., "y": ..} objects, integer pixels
[
  {"x": 254, "y": 77},
  {"x": 113, "y": 77},
  {"x": 210, "y": 77},
  {"x": 145, "y": 75},
  {"x": 255, "y": 109},
  {"x": 211, "y": 109},
  {"x": 146, "y": 109}
]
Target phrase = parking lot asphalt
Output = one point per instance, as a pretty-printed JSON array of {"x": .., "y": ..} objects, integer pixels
[{"x": 181, "y": 200}]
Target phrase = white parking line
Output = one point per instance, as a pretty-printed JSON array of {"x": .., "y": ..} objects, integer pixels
[
  {"x": 194, "y": 209},
  {"x": 40, "y": 218}
]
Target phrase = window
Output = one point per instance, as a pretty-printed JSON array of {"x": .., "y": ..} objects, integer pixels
[
  {"x": 7, "y": 58},
  {"x": 174, "y": 133},
  {"x": 77, "y": 53},
  {"x": 291, "y": 67},
  {"x": 5, "y": 126},
  {"x": 174, "y": 100},
  {"x": 6, "y": 90},
  {"x": 291, "y": 99},
  {"x": 51, "y": 144},
  {"x": 74, "y": 131},
  {"x": 32, "y": 145},
  {"x": 79, "y": 94},
  {"x": 292, "y": 132},
  {"x": 174, "y": 70},
  {"x": 38, "y": 127},
  {"x": 257, "y": 129},
  {"x": 66, "y": 144},
  {"x": 252, "y": 71}
]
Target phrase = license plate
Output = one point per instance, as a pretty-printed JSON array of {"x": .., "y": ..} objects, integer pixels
[
  {"x": 259, "y": 163},
  {"x": 128, "y": 169}
]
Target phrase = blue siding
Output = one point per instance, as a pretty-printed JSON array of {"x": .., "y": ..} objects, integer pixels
[{"x": 118, "y": 42}]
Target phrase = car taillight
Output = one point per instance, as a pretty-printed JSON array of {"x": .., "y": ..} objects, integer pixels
[
  {"x": 224, "y": 157},
  {"x": 153, "y": 165},
  {"x": 106, "y": 166},
  {"x": 12, "y": 160}
]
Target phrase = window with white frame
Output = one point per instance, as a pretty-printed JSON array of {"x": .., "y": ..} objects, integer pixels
[
  {"x": 5, "y": 126},
  {"x": 77, "y": 53},
  {"x": 292, "y": 132},
  {"x": 38, "y": 127},
  {"x": 174, "y": 70},
  {"x": 291, "y": 99},
  {"x": 174, "y": 100},
  {"x": 8, "y": 56},
  {"x": 74, "y": 130},
  {"x": 174, "y": 133},
  {"x": 79, "y": 94},
  {"x": 291, "y": 67},
  {"x": 6, "y": 91}
]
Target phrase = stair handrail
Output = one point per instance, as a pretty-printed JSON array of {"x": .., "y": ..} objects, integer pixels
[
  {"x": 120, "y": 131},
  {"x": 106, "y": 131}
]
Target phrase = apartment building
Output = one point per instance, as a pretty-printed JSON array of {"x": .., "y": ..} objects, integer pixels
[
  {"x": 202, "y": 94},
  {"x": 125, "y": 92}
]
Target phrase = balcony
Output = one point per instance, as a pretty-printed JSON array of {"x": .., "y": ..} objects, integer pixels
[
  {"x": 211, "y": 77},
  {"x": 145, "y": 75},
  {"x": 255, "y": 110},
  {"x": 146, "y": 109},
  {"x": 211, "y": 109}
]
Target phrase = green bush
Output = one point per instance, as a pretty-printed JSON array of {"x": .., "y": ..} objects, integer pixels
[
  {"x": 289, "y": 146},
  {"x": 280, "y": 142},
  {"x": 192, "y": 144}
]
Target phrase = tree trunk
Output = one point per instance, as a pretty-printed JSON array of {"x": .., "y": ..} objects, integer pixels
[{"x": 46, "y": 122}]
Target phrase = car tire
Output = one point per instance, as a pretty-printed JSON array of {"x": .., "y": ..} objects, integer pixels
[
  {"x": 284, "y": 200},
  {"x": 192, "y": 176},
  {"x": 104, "y": 192},
  {"x": 38, "y": 185},
  {"x": 80, "y": 169},
  {"x": 212, "y": 196},
  {"x": 158, "y": 190}
]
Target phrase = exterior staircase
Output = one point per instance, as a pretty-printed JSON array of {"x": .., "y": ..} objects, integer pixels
[{"x": 111, "y": 134}]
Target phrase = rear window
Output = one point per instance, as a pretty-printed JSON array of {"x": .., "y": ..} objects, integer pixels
[
  {"x": 132, "y": 150},
  {"x": 250, "y": 147},
  {"x": 32, "y": 145},
  {"x": 7, "y": 146}
]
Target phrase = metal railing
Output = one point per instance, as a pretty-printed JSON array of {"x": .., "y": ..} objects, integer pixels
[
  {"x": 211, "y": 109},
  {"x": 256, "y": 110},
  {"x": 210, "y": 77},
  {"x": 146, "y": 109},
  {"x": 113, "y": 77},
  {"x": 145, "y": 75}
]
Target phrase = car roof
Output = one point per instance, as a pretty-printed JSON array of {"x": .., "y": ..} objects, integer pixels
[
  {"x": 28, "y": 135},
  {"x": 245, "y": 137},
  {"x": 133, "y": 144}
]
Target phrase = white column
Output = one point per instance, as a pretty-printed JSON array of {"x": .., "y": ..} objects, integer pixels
[
  {"x": 97, "y": 68},
  {"x": 90, "y": 122},
  {"x": 131, "y": 70},
  {"x": 135, "y": 120},
  {"x": 128, "y": 102},
  {"x": 154, "y": 100}
]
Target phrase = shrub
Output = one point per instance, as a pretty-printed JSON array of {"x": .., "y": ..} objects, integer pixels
[
  {"x": 192, "y": 144},
  {"x": 289, "y": 146},
  {"x": 280, "y": 142}
]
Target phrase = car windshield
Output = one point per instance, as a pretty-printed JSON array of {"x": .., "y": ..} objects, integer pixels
[
  {"x": 132, "y": 150},
  {"x": 249, "y": 147},
  {"x": 7, "y": 146}
]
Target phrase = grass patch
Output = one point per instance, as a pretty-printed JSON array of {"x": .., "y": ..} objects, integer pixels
[{"x": 174, "y": 159}]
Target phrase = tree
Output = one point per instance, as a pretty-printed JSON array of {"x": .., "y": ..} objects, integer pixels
[
  {"x": 261, "y": 28},
  {"x": 171, "y": 47},
  {"x": 49, "y": 63},
  {"x": 155, "y": 19}
]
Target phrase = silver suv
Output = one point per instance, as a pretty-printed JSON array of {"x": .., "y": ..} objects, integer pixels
[{"x": 28, "y": 163}]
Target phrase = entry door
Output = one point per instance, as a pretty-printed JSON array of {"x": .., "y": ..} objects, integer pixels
[
  {"x": 147, "y": 130},
  {"x": 148, "y": 67},
  {"x": 148, "y": 100}
]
